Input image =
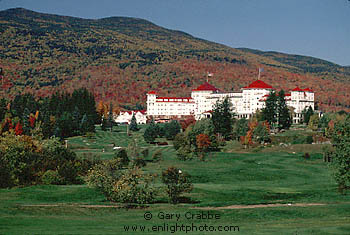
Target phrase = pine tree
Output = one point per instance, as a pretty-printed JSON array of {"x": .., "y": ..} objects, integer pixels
[
  {"x": 269, "y": 113},
  {"x": 133, "y": 124},
  {"x": 222, "y": 118},
  {"x": 283, "y": 114}
]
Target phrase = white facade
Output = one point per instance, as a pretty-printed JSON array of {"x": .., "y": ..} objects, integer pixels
[
  {"x": 169, "y": 107},
  {"x": 125, "y": 117},
  {"x": 244, "y": 103}
]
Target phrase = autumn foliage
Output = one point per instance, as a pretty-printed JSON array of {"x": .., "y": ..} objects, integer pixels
[{"x": 138, "y": 56}]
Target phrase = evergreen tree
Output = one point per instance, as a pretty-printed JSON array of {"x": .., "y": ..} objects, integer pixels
[
  {"x": 150, "y": 133},
  {"x": 222, "y": 118},
  {"x": 307, "y": 113},
  {"x": 240, "y": 128},
  {"x": 171, "y": 129},
  {"x": 269, "y": 113},
  {"x": 133, "y": 124},
  {"x": 283, "y": 114}
]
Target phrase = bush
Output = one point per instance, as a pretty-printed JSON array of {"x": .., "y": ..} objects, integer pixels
[
  {"x": 5, "y": 176},
  {"x": 309, "y": 139},
  {"x": 177, "y": 182},
  {"x": 139, "y": 162},
  {"x": 69, "y": 173},
  {"x": 179, "y": 140},
  {"x": 126, "y": 186},
  {"x": 51, "y": 177},
  {"x": 133, "y": 187},
  {"x": 184, "y": 153},
  {"x": 157, "y": 155},
  {"x": 122, "y": 155},
  {"x": 306, "y": 155},
  {"x": 145, "y": 153}
]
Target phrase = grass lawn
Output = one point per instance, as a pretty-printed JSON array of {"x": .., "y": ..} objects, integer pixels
[{"x": 270, "y": 176}]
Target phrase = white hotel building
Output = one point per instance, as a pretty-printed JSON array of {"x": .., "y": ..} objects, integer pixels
[{"x": 244, "y": 103}]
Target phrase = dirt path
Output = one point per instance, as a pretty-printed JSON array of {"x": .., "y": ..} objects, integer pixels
[{"x": 257, "y": 206}]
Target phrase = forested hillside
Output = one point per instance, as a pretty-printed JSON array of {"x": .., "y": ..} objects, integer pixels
[{"x": 119, "y": 59}]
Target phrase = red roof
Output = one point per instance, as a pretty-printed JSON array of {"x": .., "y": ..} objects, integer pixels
[
  {"x": 297, "y": 89},
  {"x": 302, "y": 90},
  {"x": 258, "y": 84},
  {"x": 152, "y": 93},
  {"x": 206, "y": 87},
  {"x": 308, "y": 90}
]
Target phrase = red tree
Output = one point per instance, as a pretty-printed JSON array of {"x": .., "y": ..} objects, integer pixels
[
  {"x": 32, "y": 120},
  {"x": 18, "y": 129}
]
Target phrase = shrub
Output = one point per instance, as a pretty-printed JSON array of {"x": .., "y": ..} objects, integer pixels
[
  {"x": 69, "y": 173},
  {"x": 139, "y": 162},
  {"x": 51, "y": 177},
  {"x": 309, "y": 139},
  {"x": 126, "y": 186},
  {"x": 5, "y": 176},
  {"x": 177, "y": 182},
  {"x": 306, "y": 155},
  {"x": 145, "y": 153},
  {"x": 157, "y": 155},
  {"x": 133, "y": 187},
  {"x": 179, "y": 140},
  {"x": 122, "y": 155}
]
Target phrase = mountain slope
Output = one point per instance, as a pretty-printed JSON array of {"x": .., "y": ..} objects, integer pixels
[{"x": 120, "y": 59}]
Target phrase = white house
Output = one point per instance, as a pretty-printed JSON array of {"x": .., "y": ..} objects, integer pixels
[
  {"x": 125, "y": 117},
  {"x": 244, "y": 103}
]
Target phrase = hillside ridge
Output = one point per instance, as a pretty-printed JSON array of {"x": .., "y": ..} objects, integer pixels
[{"x": 44, "y": 53}]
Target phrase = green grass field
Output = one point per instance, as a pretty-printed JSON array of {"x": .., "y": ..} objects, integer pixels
[{"x": 238, "y": 177}]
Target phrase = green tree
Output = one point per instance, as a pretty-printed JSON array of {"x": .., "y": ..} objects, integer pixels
[
  {"x": 222, "y": 118},
  {"x": 122, "y": 155},
  {"x": 171, "y": 129},
  {"x": 269, "y": 113},
  {"x": 177, "y": 182},
  {"x": 283, "y": 114},
  {"x": 261, "y": 132},
  {"x": 313, "y": 122},
  {"x": 307, "y": 113},
  {"x": 341, "y": 154},
  {"x": 240, "y": 128},
  {"x": 3, "y": 109},
  {"x": 133, "y": 124},
  {"x": 150, "y": 133}
]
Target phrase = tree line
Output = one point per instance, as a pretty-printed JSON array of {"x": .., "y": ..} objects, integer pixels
[{"x": 61, "y": 115}]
